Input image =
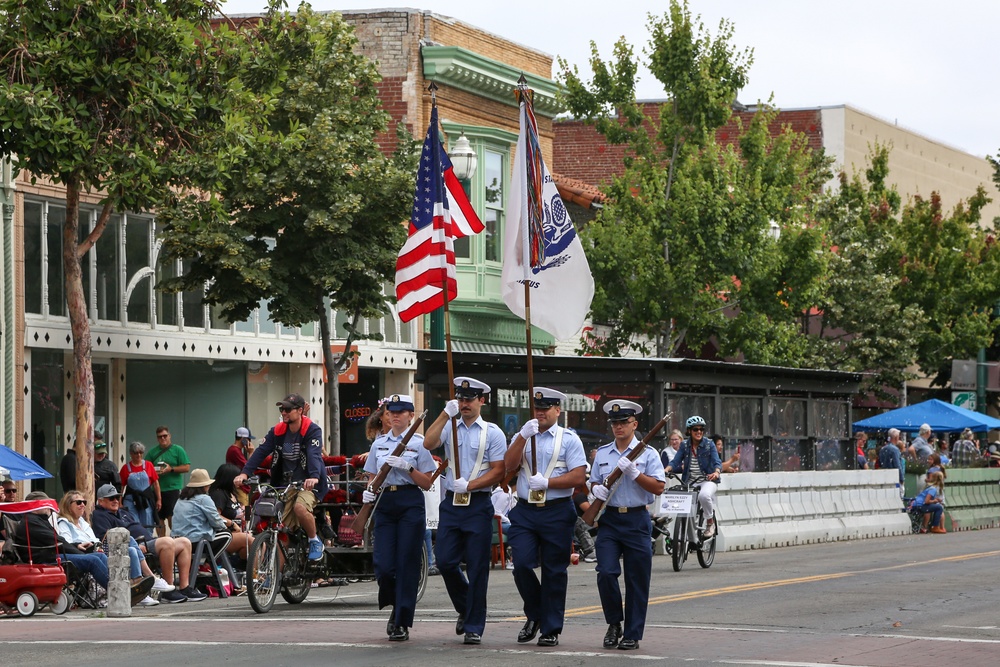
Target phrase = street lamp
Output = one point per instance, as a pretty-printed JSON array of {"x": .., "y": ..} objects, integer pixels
[
  {"x": 774, "y": 230},
  {"x": 463, "y": 159}
]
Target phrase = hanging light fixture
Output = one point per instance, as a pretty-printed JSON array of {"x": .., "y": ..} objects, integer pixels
[{"x": 463, "y": 159}]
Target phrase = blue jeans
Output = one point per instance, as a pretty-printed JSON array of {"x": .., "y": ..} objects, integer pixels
[{"x": 96, "y": 565}]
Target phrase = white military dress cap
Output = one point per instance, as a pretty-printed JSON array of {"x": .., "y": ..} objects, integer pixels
[
  {"x": 466, "y": 387},
  {"x": 620, "y": 410},
  {"x": 544, "y": 397}
]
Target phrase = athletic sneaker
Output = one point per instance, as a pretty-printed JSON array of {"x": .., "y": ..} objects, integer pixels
[
  {"x": 315, "y": 549},
  {"x": 193, "y": 594},
  {"x": 162, "y": 586},
  {"x": 172, "y": 597},
  {"x": 148, "y": 602}
]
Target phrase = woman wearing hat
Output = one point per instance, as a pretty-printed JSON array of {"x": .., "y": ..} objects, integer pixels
[
  {"x": 400, "y": 517},
  {"x": 197, "y": 518}
]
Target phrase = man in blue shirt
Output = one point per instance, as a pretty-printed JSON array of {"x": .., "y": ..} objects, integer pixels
[
  {"x": 889, "y": 457},
  {"x": 465, "y": 526},
  {"x": 541, "y": 529},
  {"x": 625, "y": 529}
]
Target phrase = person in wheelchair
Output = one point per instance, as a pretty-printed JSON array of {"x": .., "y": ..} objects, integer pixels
[{"x": 698, "y": 456}]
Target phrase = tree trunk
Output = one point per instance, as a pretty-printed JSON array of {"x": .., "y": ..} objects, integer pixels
[
  {"x": 83, "y": 372},
  {"x": 333, "y": 369}
]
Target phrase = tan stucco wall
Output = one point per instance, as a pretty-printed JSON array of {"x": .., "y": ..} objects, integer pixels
[{"x": 918, "y": 165}]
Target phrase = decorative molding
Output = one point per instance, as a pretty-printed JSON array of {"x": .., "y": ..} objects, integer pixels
[
  {"x": 494, "y": 134},
  {"x": 476, "y": 74}
]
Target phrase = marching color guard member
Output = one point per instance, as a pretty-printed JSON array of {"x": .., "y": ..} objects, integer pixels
[
  {"x": 399, "y": 516},
  {"x": 542, "y": 521},
  {"x": 465, "y": 525},
  {"x": 625, "y": 529}
]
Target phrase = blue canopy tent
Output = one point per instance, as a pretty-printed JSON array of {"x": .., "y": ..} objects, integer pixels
[
  {"x": 18, "y": 467},
  {"x": 941, "y": 416}
]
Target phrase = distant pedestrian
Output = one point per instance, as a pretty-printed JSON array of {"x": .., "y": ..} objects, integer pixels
[
  {"x": 965, "y": 451},
  {"x": 171, "y": 463},
  {"x": 889, "y": 457}
]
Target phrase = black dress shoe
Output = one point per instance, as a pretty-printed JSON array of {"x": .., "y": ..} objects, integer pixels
[
  {"x": 528, "y": 632},
  {"x": 473, "y": 638},
  {"x": 390, "y": 625},
  {"x": 399, "y": 634},
  {"x": 551, "y": 639},
  {"x": 628, "y": 644},
  {"x": 613, "y": 635},
  {"x": 460, "y": 626}
]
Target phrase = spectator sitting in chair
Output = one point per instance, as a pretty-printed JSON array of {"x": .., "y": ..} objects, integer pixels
[
  {"x": 73, "y": 528},
  {"x": 110, "y": 514},
  {"x": 38, "y": 530},
  {"x": 929, "y": 502},
  {"x": 197, "y": 518}
]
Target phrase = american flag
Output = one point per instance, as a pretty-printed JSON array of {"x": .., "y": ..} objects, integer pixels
[{"x": 441, "y": 213}]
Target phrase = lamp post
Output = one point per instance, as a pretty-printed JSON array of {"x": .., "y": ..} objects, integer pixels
[
  {"x": 464, "y": 162},
  {"x": 8, "y": 188}
]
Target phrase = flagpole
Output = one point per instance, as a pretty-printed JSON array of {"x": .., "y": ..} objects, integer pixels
[
  {"x": 524, "y": 97},
  {"x": 432, "y": 89}
]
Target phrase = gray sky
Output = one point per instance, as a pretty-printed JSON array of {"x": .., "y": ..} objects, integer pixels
[{"x": 926, "y": 65}]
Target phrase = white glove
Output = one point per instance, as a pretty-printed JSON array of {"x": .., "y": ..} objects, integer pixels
[
  {"x": 460, "y": 485},
  {"x": 601, "y": 492},
  {"x": 367, "y": 497},
  {"x": 529, "y": 429},
  {"x": 538, "y": 481},
  {"x": 451, "y": 408},
  {"x": 398, "y": 462},
  {"x": 628, "y": 468}
]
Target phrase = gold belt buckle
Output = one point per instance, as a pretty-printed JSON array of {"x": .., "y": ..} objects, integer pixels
[
  {"x": 461, "y": 499},
  {"x": 622, "y": 510},
  {"x": 537, "y": 497},
  {"x": 393, "y": 488}
]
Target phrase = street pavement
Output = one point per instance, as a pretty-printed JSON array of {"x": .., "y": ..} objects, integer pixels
[{"x": 914, "y": 600}]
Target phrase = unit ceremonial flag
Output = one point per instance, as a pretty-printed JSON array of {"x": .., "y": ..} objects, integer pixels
[
  {"x": 541, "y": 247},
  {"x": 425, "y": 267}
]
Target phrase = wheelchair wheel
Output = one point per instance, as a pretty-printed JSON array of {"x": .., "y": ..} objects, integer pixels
[
  {"x": 27, "y": 604},
  {"x": 263, "y": 575},
  {"x": 62, "y": 604}
]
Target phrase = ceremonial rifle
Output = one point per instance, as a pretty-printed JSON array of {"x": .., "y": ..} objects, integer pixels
[
  {"x": 364, "y": 514},
  {"x": 590, "y": 516}
]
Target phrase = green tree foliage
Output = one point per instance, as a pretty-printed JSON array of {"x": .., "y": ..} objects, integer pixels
[
  {"x": 683, "y": 251},
  {"x": 313, "y": 219},
  {"x": 109, "y": 97}
]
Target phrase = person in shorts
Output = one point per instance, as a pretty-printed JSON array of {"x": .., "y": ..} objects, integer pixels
[{"x": 296, "y": 443}]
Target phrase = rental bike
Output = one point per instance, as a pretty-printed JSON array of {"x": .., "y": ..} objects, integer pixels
[{"x": 689, "y": 525}]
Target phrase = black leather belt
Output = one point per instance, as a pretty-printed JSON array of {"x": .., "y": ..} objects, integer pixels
[
  {"x": 547, "y": 503},
  {"x": 626, "y": 510}
]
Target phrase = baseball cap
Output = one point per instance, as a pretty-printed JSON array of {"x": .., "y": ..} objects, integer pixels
[
  {"x": 243, "y": 432},
  {"x": 108, "y": 491},
  {"x": 291, "y": 401}
]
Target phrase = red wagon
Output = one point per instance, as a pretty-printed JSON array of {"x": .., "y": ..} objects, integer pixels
[{"x": 27, "y": 586}]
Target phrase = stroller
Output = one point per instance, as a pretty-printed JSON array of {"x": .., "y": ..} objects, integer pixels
[{"x": 25, "y": 585}]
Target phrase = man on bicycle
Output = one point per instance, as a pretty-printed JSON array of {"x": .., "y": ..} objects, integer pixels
[
  {"x": 625, "y": 529},
  {"x": 296, "y": 443},
  {"x": 696, "y": 457}
]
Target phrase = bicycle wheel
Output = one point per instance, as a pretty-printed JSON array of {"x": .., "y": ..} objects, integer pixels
[
  {"x": 681, "y": 544},
  {"x": 263, "y": 575},
  {"x": 295, "y": 582},
  {"x": 706, "y": 554},
  {"x": 422, "y": 586}
]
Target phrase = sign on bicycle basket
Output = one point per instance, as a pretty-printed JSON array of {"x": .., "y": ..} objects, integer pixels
[{"x": 677, "y": 503}]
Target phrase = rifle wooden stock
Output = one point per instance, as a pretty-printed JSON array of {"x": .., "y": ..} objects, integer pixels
[
  {"x": 590, "y": 516},
  {"x": 364, "y": 514},
  {"x": 440, "y": 470}
]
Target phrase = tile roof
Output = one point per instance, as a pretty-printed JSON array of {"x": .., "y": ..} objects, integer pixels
[{"x": 577, "y": 191}]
